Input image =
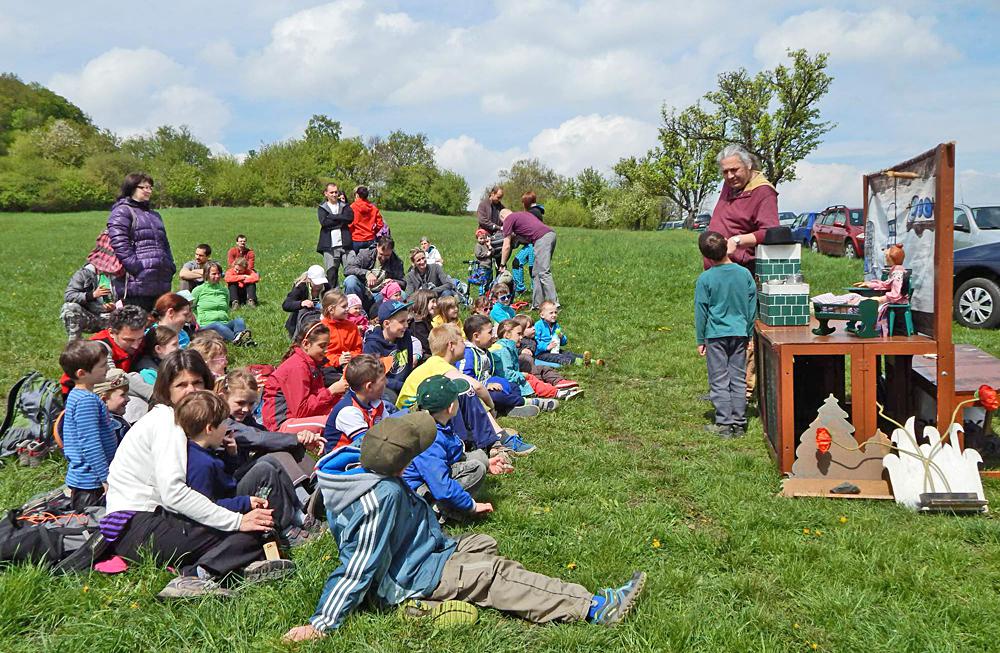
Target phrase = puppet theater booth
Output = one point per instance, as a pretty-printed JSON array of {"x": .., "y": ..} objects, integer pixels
[{"x": 803, "y": 376}]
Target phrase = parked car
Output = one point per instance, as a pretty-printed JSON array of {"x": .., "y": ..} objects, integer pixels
[
  {"x": 786, "y": 218},
  {"x": 701, "y": 221},
  {"x": 802, "y": 228},
  {"x": 976, "y": 225},
  {"x": 670, "y": 224},
  {"x": 839, "y": 231},
  {"x": 977, "y": 286}
]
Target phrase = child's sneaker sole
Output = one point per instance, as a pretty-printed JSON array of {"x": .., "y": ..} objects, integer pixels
[
  {"x": 265, "y": 570},
  {"x": 527, "y": 410}
]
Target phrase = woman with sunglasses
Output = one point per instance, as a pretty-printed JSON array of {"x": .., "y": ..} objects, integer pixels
[{"x": 140, "y": 243}]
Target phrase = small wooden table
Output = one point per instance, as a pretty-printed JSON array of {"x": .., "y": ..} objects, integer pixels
[
  {"x": 973, "y": 368},
  {"x": 797, "y": 370}
]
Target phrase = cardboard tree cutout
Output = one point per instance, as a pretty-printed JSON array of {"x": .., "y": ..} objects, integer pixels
[{"x": 838, "y": 462}]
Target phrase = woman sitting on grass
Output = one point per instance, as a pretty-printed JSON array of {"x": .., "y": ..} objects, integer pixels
[
  {"x": 174, "y": 311},
  {"x": 211, "y": 308},
  {"x": 304, "y": 297},
  {"x": 150, "y": 507}
]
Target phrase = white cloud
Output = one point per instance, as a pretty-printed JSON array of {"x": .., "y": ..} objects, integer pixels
[
  {"x": 133, "y": 91},
  {"x": 820, "y": 185},
  {"x": 886, "y": 35},
  {"x": 219, "y": 54},
  {"x": 584, "y": 141}
]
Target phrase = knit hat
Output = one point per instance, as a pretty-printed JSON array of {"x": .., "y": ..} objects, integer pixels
[
  {"x": 389, "y": 446},
  {"x": 391, "y": 289},
  {"x": 481, "y": 232},
  {"x": 115, "y": 379},
  {"x": 435, "y": 393},
  {"x": 353, "y": 300}
]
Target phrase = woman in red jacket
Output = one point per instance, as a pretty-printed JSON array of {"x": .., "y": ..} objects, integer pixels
[
  {"x": 242, "y": 281},
  {"x": 367, "y": 220},
  {"x": 295, "y": 397}
]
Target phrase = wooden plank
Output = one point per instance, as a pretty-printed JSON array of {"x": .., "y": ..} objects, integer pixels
[
  {"x": 944, "y": 243},
  {"x": 820, "y": 487}
]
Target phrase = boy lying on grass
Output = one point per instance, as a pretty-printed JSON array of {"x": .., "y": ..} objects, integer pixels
[{"x": 391, "y": 546}]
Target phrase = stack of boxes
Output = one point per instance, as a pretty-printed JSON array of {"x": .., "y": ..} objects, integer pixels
[{"x": 782, "y": 298}]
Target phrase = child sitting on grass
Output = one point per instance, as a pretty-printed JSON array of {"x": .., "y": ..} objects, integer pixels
[
  {"x": 505, "y": 364},
  {"x": 345, "y": 341},
  {"x": 546, "y": 372},
  {"x": 481, "y": 306},
  {"x": 444, "y": 473},
  {"x": 725, "y": 305},
  {"x": 550, "y": 339},
  {"x": 242, "y": 281},
  {"x": 391, "y": 343},
  {"x": 356, "y": 313},
  {"x": 391, "y": 547},
  {"x": 446, "y": 312},
  {"x": 501, "y": 307},
  {"x": 158, "y": 342},
  {"x": 89, "y": 441},
  {"x": 478, "y": 363},
  {"x": 422, "y": 308},
  {"x": 361, "y": 407},
  {"x": 213, "y": 350},
  {"x": 113, "y": 391}
]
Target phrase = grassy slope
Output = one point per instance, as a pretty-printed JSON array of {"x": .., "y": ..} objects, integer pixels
[{"x": 623, "y": 466}]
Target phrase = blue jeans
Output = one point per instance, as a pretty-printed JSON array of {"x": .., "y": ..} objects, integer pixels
[
  {"x": 363, "y": 244},
  {"x": 355, "y": 285},
  {"x": 227, "y": 330}
]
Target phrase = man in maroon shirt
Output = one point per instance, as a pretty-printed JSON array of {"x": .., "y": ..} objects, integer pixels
[
  {"x": 525, "y": 227},
  {"x": 747, "y": 206}
]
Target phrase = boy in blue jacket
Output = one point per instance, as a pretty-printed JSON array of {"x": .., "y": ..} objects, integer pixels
[
  {"x": 444, "y": 473},
  {"x": 391, "y": 342},
  {"x": 550, "y": 339},
  {"x": 391, "y": 546}
]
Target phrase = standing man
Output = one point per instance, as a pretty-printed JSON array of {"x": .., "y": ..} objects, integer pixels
[
  {"x": 488, "y": 215},
  {"x": 192, "y": 272},
  {"x": 335, "y": 217},
  {"x": 527, "y": 228},
  {"x": 747, "y": 208}
]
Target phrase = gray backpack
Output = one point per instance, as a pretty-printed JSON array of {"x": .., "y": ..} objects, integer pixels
[{"x": 33, "y": 404}]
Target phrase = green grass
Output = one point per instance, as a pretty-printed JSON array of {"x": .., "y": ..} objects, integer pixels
[{"x": 624, "y": 465}]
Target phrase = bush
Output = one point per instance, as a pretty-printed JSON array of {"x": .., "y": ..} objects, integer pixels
[
  {"x": 567, "y": 213},
  {"x": 628, "y": 208},
  {"x": 449, "y": 193}
]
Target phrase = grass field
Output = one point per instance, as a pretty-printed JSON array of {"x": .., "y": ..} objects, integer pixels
[{"x": 624, "y": 479}]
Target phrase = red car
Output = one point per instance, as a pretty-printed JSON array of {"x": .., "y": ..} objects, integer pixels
[{"x": 839, "y": 231}]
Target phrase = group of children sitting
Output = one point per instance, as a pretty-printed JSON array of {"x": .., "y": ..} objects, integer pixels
[{"x": 400, "y": 412}]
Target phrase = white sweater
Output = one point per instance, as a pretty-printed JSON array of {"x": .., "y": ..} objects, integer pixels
[{"x": 150, "y": 470}]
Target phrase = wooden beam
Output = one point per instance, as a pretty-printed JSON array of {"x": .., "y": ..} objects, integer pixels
[{"x": 944, "y": 248}]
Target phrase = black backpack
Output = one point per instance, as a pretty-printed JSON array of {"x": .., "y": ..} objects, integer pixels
[
  {"x": 44, "y": 531},
  {"x": 33, "y": 404}
]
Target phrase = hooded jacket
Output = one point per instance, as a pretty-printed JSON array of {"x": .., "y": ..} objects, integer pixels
[
  {"x": 295, "y": 389},
  {"x": 81, "y": 287},
  {"x": 328, "y": 222},
  {"x": 400, "y": 351},
  {"x": 140, "y": 243},
  {"x": 367, "y": 221},
  {"x": 505, "y": 364},
  {"x": 433, "y": 467},
  {"x": 388, "y": 539}
]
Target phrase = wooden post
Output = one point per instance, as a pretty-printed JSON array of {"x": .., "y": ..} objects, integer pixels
[{"x": 944, "y": 249}]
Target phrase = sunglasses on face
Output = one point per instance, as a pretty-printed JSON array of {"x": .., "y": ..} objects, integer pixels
[{"x": 504, "y": 298}]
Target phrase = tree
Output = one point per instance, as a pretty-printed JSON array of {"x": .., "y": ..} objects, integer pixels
[
  {"x": 530, "y": 174},
  {"x": 781, "y": 137},
  {"x": 589, "y": 187},
  {"x": 322, "y": 129}
]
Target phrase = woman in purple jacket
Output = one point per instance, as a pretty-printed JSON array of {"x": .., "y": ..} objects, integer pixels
[{"x": 140, "y": 243}]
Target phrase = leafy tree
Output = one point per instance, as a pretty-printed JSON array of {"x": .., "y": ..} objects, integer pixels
[
  {"x": 27, "y": 106},
  {"x": 530, "y": 174},
  {"x": 589, "y": 187},
  {"x": 449, "y": 193},
  {"x": 168, "y": 146},
  {"x": 323, "y": 129}
]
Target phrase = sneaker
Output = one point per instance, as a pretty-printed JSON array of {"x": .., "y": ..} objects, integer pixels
[
  {"x": 190, "y": 587},
  {"x": 548, "y": 405},
  {"x": 240, "y": 337},
  {"x": 569, "y": 393},
  {"x": 265, "y": 570},
  {"x": 738, "y": 431},
  {"x": 234, "y": 305},
  {"x": 22, "y": 452},
  {"x": 251, "y": 303},
  {"x": 566, "y": 384},
  {"x": 37, "y": 452},
  {"x": 618, "y": 601},
  {"x": 446, "y": 613},
  {"x": 724, "y": 431},
  {"x": 517, "y": 446},
  {"x": 527, "y": 410}
]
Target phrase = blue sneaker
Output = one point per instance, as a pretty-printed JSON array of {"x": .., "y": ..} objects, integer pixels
[
  {"x": 517, "y": 446},
  {"x": 612, "y": 604}
]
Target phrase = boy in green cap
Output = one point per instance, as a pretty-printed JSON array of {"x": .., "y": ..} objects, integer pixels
[
  {"x": 444, "y": 471},
  {"x": 390, "y": 545}
]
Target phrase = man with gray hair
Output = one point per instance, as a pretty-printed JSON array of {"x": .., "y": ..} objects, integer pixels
[{"x": 747, "y": 206}]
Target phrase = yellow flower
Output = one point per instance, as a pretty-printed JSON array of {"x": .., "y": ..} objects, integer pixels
[
  {"x": 656, "y": 543},
  {"x": 819, "y": 533},
  {"x": 546, "y": 509},
  {"x": 805, "y": 531},
  {"x": 326, "y": 558},
  {"x": 814, "y": 646},
  {"x": 134, "y": 606},
  {"x": 571, "y": 566},
  {"x": 843, "y": 519},
  {"x": 86, "y": 588},
  {"x": 795, "y": 626}
]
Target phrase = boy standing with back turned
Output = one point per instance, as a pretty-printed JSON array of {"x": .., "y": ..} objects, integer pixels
[{"x": 725, "y": 303}]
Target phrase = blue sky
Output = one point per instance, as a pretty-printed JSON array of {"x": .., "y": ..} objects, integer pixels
[{"x": 576, "y": 84}]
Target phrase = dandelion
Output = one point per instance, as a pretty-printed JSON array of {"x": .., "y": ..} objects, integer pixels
[
  {"x": 806, "y": 531},
  {"x": 819, "y": 533},
  {"x": 546, "y": 509},
  {"x": 795, "y": 626},
  {"x": 86, "y": 588},
  {"x": 656, "y": 543},
  {"x": 843, "y": 519},
  {"x": 134, "y": 606},
  {"x": 814, "y": 646},
  {"x": 326, "y": 558},
  {"x": 571, "y": 566}
]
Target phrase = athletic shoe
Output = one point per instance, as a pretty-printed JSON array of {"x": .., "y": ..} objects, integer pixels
[
  {"x": 724, "y": 431},
  {"x": 240, "y": 338},
  {"x": 251, "y": 303},
  {"x": 517, "y": 446},
  {"x": 22, "y": 452},
  {"x": 739, "y": 431},
  {"x": 190, "y": 587},
  {"x": 527, "y": 410},
  {"x": 265, "y": 570},
  {"x": 566, "y": 384},
  {"x": 569, "y": 393},
  {"x": 37, "y": 452},
  {"x": 234, "y": 305},
  {"x": 446, "y": 613},
  {"x": 614, "y": 604},
  {"x": 548, "y": 405}
]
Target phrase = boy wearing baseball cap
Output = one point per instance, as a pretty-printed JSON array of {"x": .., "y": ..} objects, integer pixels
[
  {"x": 391, "y": 546},
  {"x": 444, "y": 473},
  {"x": 391, "y": 342}
]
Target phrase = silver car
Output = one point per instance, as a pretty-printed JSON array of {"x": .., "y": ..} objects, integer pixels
[{"x": 976, "y": 225}]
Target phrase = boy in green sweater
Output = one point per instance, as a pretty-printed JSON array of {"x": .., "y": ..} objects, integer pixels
[{"x": 725, "y": 305}]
